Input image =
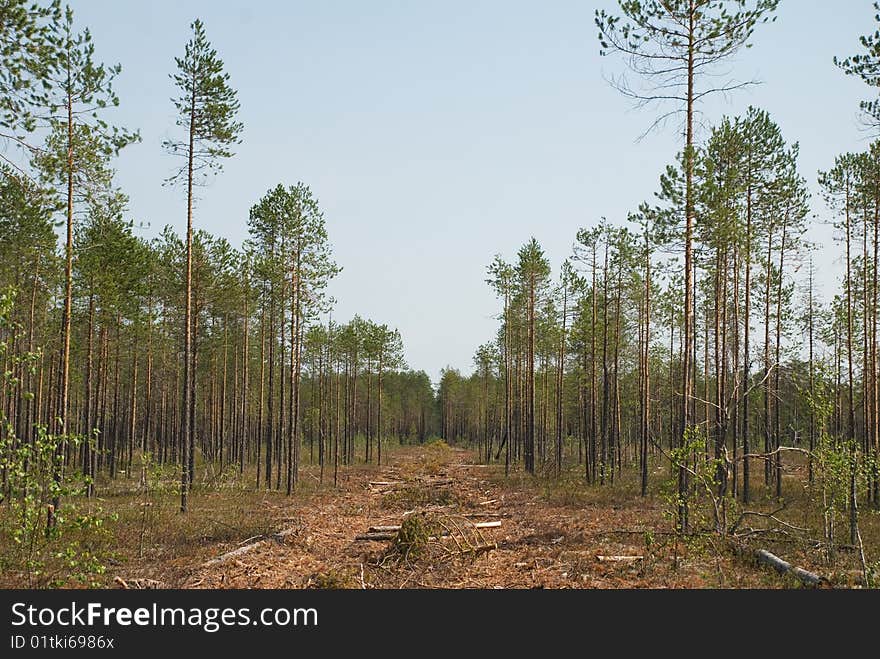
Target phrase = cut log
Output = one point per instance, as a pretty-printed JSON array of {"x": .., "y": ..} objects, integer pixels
[
  {"x": 488, "y": 503},
  {"x": 619, "y": 559},
  {"x": 383, "y": 483},
  {"x": 488, "y": 525},
  {"x": 383, "y": 529},
  {"x": 388, "y": 528},
  {"x": 634, "y": 532},
  {"x": 368, "y": 537},
  {"x": 784, "y": 567},
  {"x": 480, "y": 515}
]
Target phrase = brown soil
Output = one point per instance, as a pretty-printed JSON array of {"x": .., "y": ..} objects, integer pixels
[{"x": 547, "y": 538}]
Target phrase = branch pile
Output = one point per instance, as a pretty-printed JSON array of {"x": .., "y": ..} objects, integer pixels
[{"x": 431, "y": 535}]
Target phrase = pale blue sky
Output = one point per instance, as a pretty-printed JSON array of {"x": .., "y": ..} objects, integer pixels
[{"x": 436, "y": 134}]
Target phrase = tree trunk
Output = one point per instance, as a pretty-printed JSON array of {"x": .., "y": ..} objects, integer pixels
[{"x": 187, "y": 408}]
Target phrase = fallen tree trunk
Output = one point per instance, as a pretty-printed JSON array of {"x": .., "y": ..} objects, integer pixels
[
  {"x": 367, "y": 537},
  {"x": 479, "y": 515},
  {"x": 278, "y": 537},
  {"x": 784, "y": 567},
  {"x": 619, "y": 559},
  {"x": 396, "y": 527},
  {"x": 235, "y": 553},
  {"x": 634, "y": 532},
  {"x": 488, "y": 525}
]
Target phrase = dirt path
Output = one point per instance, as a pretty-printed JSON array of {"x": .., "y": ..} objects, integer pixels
[{"x": 538, "y": 544}]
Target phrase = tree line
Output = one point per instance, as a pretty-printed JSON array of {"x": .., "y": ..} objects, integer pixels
[
  {"x": 186, "y": 349},
  {"x": 692, "y": 333}
]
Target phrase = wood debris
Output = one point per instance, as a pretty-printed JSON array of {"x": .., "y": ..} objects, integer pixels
[
  {"x": 619, "y": 559},
  {"x": 784, "y": 567}
]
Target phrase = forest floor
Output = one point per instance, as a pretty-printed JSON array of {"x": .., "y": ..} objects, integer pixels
[{"x": 557, "y": 535}]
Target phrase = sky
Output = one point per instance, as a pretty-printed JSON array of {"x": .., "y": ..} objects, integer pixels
[{"x": 436, "y": 134}]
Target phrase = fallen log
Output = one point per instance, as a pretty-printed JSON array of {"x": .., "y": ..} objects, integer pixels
[
  {"x": 368, "y": 537},
  {"x": 235, "y": 553},
  {"x": 634, "y": 532},
  {"x": 278, "y": 537},
  {"x": 388, "y": 528},
  {"x": 619, "y": 559},
  {"x": 784, "y": 567},
  {"x": 488, "y": 525},
  {"x": 479, "y": 515}
]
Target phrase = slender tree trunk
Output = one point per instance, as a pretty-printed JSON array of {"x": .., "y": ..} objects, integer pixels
[
  {"x": 88, "y": 421},
  {"x": 687, "y": 335},
  {"x": 646, "y": 372},
  {"x": 508, "y": 382},
  {"x": 603, "y": 457},
  {"x": 379, "y": 411},
  {"x": 132, "y": 421},
  {"x": 64, "y": 379},
  {"x": 293, "y": 447},
  {"x": 594, "y": 395},
  {"x": 768, "y": 439},
  {"x": 560, "y": 380},
  {"x": 530, "y": 385},
  {"x": 746, "y": 492},
  {"x": 735, "y": 373},
  {"x": 270, "y": 391},
  {"x": 875, "y": 387},
  {"x": 187, "y": 407},
  {"x": 851, "y": 426},
  {"x": 245, "y": 385},
  {"x": 810, "y": 474}
]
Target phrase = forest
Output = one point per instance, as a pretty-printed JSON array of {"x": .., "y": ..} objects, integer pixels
[{"x": 681, "y": 365}]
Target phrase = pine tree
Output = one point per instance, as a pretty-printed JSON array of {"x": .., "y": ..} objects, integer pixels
[
  {"x": 533, "y": 270},
  {"x": 206, "y": 110},
  {"x": 671, "y": 45},
  {"x": 75, "y": 158}
]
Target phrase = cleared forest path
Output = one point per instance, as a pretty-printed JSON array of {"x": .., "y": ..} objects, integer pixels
[{"x": 547, "y": 538}]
